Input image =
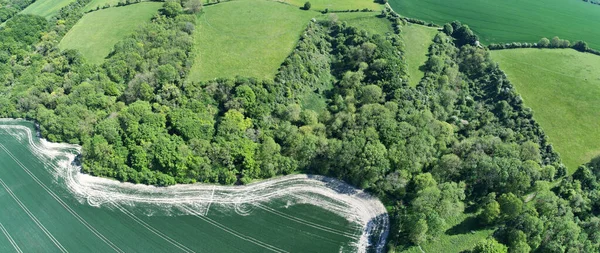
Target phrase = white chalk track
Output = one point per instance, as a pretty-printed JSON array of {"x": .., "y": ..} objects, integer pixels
[{"x": 331, "y": 194}]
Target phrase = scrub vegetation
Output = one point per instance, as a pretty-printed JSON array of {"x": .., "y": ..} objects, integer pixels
[{"x": 8, "y": 8}]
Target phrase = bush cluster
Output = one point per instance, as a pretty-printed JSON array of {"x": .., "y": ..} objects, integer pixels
[{"x": 556, "y": 42}]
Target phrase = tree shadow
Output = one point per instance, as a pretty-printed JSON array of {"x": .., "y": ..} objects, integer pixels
[{"x": 466, "y": 226}]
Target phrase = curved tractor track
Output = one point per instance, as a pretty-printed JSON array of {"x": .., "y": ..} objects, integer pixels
[{"x": 331, "y": 194}]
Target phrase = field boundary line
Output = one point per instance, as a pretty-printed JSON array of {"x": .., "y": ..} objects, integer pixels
[
  {"x": 63, "y": 204},
  {"x": 10, "y": 239},
  {"x": 35, "y": 219}
]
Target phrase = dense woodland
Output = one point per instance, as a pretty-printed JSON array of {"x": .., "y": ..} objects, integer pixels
[
  {"x": 9, "y": 8},
  {"x": 461, "y": 141}
]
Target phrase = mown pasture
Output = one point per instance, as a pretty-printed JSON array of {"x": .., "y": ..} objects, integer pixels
[
  {"x": 247, "y": 38},
  {"x": 417, "y": 39},
  {"x": 97, "y": 32},
  {"x": 562, "y": 87},
  {"x": 46, "y": 8},
  {"x": 512, "y": 20}
]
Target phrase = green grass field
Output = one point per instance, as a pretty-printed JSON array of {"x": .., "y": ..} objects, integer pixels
[
  {"x": 417, "y": 39},
  {"x": 100, "y": 3},
  {"x": 46, "y": 8},
  {"x": 337, "y": 5},
  {"x": 97, "y": 32},
  {"x": 366, "y": 20},
  {"x": 512, "y": 20},
  {"x": 249, "y": 38},
  {"x": 562, "y": 86}
]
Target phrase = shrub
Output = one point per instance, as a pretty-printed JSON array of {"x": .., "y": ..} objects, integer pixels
[
  {"x": 307, "y": 6},
  {"x": 580, "y": 46}
]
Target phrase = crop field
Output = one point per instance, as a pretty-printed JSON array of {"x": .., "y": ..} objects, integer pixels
[
  {"x": 249, "y": 38},
  {"x": 97, "y": 32},
  {"x": 562, "y": 87},
  {"x": 417, "y": 39},
  {"x": 46, "y": 8},
  {"x": 337, "y": 5},
  {"x": 512, "y": 20},
  {"x": 50, "y": 207}
]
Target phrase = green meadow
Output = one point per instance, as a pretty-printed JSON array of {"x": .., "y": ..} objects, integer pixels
[
  {"x": 417, "y": 39},
  {"x": 367, "y": 20},
  {"x": 248, "y": 38},
  {"x": 46, "y": 8},
  {"x": 562, "y": 86},
  {"x": 97, "y": 32},
  {"x": 512, "y": 20},
  {"x": 337, "y": 5}
]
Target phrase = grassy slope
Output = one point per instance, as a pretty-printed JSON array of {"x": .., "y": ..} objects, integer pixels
[
  {"x": 562, "y": 86},
  {"x": 337, "y": 4},
  {"x": 100, "y": 3},
  {"x": 46, "y": 8},
  {"x": 417, "y": 39},
  {"x": 97, "y": 32},
  {"x": 366, "y": 20},
  {"x": 249, "y": 38},
  {"x": 512, "y": 20}
]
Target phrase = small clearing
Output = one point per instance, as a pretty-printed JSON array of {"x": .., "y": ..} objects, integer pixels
[
  {"x": 368, "y": 21},
  {"x": 417, "y": 39},
  {"x": 97, "y": 32}
]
